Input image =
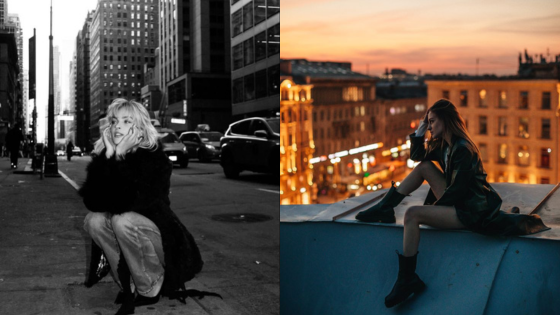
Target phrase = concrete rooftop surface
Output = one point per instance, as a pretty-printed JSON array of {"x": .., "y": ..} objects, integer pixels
[{"x": 348, "y": 267}]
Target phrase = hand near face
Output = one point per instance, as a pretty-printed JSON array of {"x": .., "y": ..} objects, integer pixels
[
  {"x": 108, "y": 141},
  {"x": 131, "y": 139}
]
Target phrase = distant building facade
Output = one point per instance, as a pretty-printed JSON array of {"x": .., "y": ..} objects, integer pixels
[
  {"x": 514, "y": 122},
  {"x": 255, "y": 57},
  {"x": 123, "y": 37},
  {"x": 10, "y": 87},
  {"x": 82, "y": 96},
  {"x": 194, "y": 68},
  {"x": 296, "y": 143}
]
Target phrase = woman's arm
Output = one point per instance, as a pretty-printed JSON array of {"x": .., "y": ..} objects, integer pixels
[
  {"x": 145, "y": 181},
  {"x": 96, "y": 186}
]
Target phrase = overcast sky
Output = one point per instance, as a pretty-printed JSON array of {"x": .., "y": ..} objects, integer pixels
[
  {"x": 68, "y": 18},
  {"x": 434, "y": 36}
]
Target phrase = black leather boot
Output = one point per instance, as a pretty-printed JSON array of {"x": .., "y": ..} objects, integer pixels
[
  {"x": 407, "y": 283},
  {"x": 126, "y": 295},
  {"x": 383, "y": 210}
]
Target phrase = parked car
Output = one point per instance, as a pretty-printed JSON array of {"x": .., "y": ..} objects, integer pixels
[
  {"x": 60, "y": 153},
  {"x": 205, "y": 145},
  {"x": 173, "y": 147},
  {"x": 77, "y": 151},
  {"x": 251, "y": 144}
]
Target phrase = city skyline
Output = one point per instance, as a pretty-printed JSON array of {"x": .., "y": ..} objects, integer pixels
[
  {"x": 68, "y": 19},
  {"x": 432, "y": 36}
]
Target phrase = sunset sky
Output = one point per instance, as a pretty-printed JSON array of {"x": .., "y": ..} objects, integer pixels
[{"x": 432, "y": 36}]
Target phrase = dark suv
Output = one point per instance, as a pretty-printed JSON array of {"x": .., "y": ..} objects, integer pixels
[
  {"x": 251, "y": 144},
  {"x": 205, "y": 145}
]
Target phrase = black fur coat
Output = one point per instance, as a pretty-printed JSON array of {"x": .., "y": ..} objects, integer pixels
[{"x": 140, "y": 183}]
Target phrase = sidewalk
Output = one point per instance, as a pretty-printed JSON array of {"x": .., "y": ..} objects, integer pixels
[{"x": 44, "y": 254}]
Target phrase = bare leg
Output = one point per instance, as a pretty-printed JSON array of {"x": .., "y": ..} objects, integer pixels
[
  {"x": 426, "y": 170},
  {"x": 443, "y": 217}
]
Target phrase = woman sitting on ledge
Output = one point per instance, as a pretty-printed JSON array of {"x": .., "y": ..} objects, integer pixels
[{"x": 459, "y": 196}]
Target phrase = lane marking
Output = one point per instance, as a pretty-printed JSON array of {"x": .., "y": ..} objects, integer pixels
[
  {"x": 270, "y": 191},
  {"x": 73, "y": 183}
]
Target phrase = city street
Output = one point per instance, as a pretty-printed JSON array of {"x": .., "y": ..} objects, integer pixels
[{"x": 241, "y": 259}]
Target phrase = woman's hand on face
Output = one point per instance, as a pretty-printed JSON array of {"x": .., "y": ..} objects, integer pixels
[
  {"x": 109, "y": 145},
  {"x": 132, "y": 138}
]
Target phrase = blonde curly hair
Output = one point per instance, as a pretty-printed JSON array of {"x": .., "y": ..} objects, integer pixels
[{"x": 141, "y": 119}]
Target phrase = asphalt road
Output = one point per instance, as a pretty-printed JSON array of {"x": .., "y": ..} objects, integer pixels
[{"x": 241, "y": 258}]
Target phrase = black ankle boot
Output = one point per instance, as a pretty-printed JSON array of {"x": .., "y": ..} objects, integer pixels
[
  {"x": 383, "y": 210},
  {"x": 407, "y": 282},
  {"x": 127, "y": 296}
]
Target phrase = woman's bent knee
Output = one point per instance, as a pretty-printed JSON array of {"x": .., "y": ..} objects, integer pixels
[
  {"x": 412, "y": 214},
  {"x": 95, "y": 221}
]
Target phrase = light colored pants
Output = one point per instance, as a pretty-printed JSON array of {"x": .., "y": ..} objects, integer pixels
[{"x": 140, "y": 241}]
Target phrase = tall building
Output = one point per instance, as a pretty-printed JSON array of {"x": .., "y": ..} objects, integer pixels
[
  {"x": 14, "y": 26},
  {"x": 81, "y": 109},
  {"x": 255, "y": 54},
  {"x": 514, "y": 122},
  {"x": 72, "y": 94},
  {"x": 10, "y": 87},
  {"x": 123, "y": 37},
  {"x": 3, "y": 12},
  {"x": 194, "y": 64},
  {"x": 296, "y": 143}
]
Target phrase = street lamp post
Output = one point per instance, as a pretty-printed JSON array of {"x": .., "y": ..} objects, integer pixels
[{"x": 51, "y": 163}]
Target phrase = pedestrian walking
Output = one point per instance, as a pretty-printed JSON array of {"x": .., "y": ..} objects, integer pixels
[
  {"x": 150, "y": 252},
  {"x": 459, "y": 196},
  {"x": 69, "y": 148},
  {"x": 14, "y": 137}
]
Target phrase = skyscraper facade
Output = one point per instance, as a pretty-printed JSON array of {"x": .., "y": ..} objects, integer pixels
[
  {"x": 82, "y": 87},
  {"x": 194, "y": 63},
  {"x": 123, "y": 37},
  {"x": 255, "y": 52}
]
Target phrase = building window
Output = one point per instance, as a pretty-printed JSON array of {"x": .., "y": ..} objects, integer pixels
[
  {"x": 464, "y": 98},
  {"x": 545, "y": 103},
  {"x": 273, "y": 7},
  {"x": 502, "y": 177},
  {"x": 249, "y": 87},
  {"x": 502, "y": 126},
  {"x": 259, "y": 8},
  {"x": 545, "y": 128},
  {"x": 482, "y": 123},
  {"x": 445, "y": 94},
  {"x": 523, "y": 100},
  {"x": 545, "y": 180},
  {"x": 237, "y": 23},
  {"x": 248, "y": 51},
  {"x": 274, "y": 80},
  {"x": 523, "y": 156},
  {"x": 247, "y": 16},
  {"x": 260, "y": 46},
  {"x": 502, "y": 99},
  {"x": 524, "y": 127},
  {"x": 237, "y": 92},
  {"x": 273, "y": 40},
  {"x": 523, "y": 179},
  {"x": 238, "y": 56},
  {"x": 483, "y": 148},
  {"x": 260, "y": 84},
  {"x": 545, "y": 157},
  {"x": 482, "y": 102},
  {"x": 502, "y": 153}
]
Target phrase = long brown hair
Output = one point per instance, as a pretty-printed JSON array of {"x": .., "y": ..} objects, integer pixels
[{"x": 453, "y": 124}]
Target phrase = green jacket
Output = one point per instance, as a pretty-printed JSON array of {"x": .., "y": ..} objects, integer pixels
[{"x": 476, "y": 202}]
